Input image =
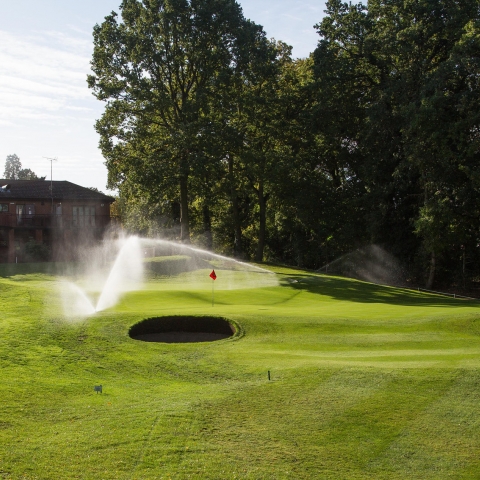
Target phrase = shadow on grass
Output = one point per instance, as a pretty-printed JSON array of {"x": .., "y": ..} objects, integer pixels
[{"x": 349, "y": 290}]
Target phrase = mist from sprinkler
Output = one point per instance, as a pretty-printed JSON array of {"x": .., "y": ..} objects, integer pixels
[{"x": 127, "y": 273}]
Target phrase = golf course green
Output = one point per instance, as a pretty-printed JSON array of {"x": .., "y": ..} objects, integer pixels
[{"x": 324, "y": 378}]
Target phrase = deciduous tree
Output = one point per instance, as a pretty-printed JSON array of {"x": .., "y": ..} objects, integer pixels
[{"x": 161, "y": 71}]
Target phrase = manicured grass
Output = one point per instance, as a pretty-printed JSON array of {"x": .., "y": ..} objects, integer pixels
[{"x": 366, "y": 382}]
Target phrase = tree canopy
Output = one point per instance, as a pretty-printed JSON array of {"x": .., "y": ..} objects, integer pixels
[
  {"x": 164, "y": 71},
  {"x": 215, "y": 134}
]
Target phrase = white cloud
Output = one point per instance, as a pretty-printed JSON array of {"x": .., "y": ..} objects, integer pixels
[
  {"x": 77, "y": 43},
  {"x": 289, "y": 16},
  {"x": 43, "y": 75},
  {"x": 46, "y": 108}
]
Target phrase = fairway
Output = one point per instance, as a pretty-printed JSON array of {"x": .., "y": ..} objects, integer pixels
[{"x": 366, "y": 381}]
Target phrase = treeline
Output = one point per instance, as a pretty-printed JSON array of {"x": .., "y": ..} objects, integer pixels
[
  {"x": 213, "y": 134},
  {"x": 14, "y": 171}
]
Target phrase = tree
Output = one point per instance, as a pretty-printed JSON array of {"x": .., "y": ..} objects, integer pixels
[
  {"x": 14, "y": 170},
  {"x": 449, "y": 151},
  {"x": 12, "y": 167},
  {"x": 399, "y": 95},
  {"x": 27, "y": 174},
  {"x": 419, "y": 39},
  {"x": 261, "y": 124},
  {"x": 162, "y": 72},
  {"x": 345, "y": 83}
]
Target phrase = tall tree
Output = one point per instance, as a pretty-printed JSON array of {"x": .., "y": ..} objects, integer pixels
[
  {"x": 14, "y": 170},
  {"x": 416, "y": 40},
  {"x": 383, "y": 66},
  {"x": 448, "y": 152},
  {"x": 13, "y": 166},
  {"x": 257, "y": 158},
  {"x": 161, "y": 72}
]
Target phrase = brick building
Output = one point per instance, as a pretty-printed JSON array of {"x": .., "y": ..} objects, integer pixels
[{"x": 42, "y": 220}]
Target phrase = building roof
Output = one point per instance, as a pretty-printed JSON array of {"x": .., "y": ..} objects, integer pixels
[{"x": 40, "y": 190}]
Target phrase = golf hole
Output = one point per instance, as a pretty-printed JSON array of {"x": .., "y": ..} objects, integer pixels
[{"x": 184, "y": 329}]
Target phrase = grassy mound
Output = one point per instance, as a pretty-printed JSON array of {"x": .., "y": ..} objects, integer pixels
[{"x": 365, "y": 382}]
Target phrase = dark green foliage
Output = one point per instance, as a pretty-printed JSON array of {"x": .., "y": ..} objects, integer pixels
[
  {"x": 213, "y": 133},
  {"x": 402, "y": 82},
  {"x": 165, "y": 71}
]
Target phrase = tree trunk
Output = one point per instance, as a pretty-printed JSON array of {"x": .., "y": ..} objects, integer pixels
[
  {"x": 184, "y": 221},
  {"x": 262, "y": 203},
  {"x": 431, "y": 275},
  {"x": 237, "y": 226},
  {"x": 207, "y": 227}
]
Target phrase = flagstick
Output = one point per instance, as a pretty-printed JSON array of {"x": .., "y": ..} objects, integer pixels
[{"x": 213, "y": 295}]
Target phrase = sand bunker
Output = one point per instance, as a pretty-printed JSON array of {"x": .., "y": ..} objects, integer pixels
[{"x": 184, "y": 329}]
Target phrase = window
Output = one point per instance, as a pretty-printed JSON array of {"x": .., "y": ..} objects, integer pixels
[
  {"x": 58, "y": 215},
  {"x": 20, "y": 209},
  {"x": 3, "y": 207},
  {"x": 30, "y": 210},
  {"x": 83, "y": 216}
]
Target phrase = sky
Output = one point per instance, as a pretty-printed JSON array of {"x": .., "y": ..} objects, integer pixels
[{"x": 46, "y": 109}]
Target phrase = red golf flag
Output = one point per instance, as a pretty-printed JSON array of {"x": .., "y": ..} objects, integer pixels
[{"x": 213, "y": 276}]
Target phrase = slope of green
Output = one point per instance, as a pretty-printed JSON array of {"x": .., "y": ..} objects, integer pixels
[{"x": 366, "y": 382}]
